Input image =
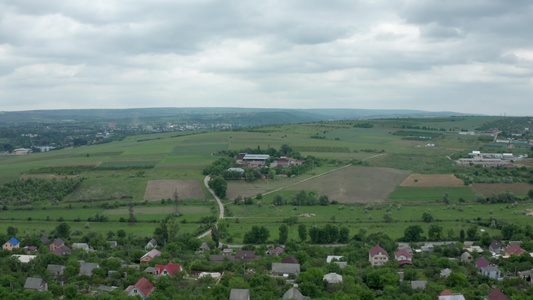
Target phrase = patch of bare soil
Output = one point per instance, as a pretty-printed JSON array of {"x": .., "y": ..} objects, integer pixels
[
  {"x": 487, "y": 189},
  {"x": 172, "y": 189}
]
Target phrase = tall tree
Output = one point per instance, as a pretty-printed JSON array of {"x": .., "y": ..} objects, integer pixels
[
  {"x": 302, "y": 232},
  {"x": 283, "y": 234},
  {"x": 63, "y": 230}
]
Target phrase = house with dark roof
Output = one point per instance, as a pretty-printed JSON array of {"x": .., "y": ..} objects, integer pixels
[
  {"x": 56, "y": 244},
  {"x": 496, "y": 294},
  {"x": 168, "y": 269},
  {"x": 150, "y": 255},
  {"x": 378, "y": 256},
  {"x": 63, "y": 250},
  {"x": 45, "y": 240},
  {"x": 290, "y": 260},
  {"x": 282, "y": 269},
  {"x": 246, "y": 255},
  {"x": 276, "y": 251},
  {"x": 13, "y": 243},
  {"x": 36, "y": 284},
  {"x": 482, "y": 262},
  {"x": 87, "y": 268},
  {"x": 142, "y": 288},
  {"x": 496, "y": 247},
  {"x": 239, "y": 294},
  {"x": 403, "y": 257},
  {"x": 30, "y": 249}
]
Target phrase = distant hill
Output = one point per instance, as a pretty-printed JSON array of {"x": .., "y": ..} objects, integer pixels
[{"x": 238, "y": 117}]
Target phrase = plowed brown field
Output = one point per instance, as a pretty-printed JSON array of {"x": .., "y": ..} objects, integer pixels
[{"x": 166, "y": 189}]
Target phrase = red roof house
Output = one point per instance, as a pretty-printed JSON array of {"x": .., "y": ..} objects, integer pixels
[
  {"x": 290, "y": 260},
  {"x": 515, "y": 249},
  {"x": 496, "y": 294},
  {"x": 403, "y": 257},
  {"x": 150, "y": 255},
  {"x": 169, "y": 269},
  {"x": 378, "y": 256},
  {"x": 143, "y": 288},
  {"x": 482, "y": 262}
]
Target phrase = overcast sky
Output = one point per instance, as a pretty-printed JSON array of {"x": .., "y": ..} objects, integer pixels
[{"x": 473, "y": 56}]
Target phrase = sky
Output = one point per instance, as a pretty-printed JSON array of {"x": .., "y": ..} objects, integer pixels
[{"x": 472, "y": 56}]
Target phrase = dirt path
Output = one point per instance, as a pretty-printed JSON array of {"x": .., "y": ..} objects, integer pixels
[{"x": 220, "y": 206}]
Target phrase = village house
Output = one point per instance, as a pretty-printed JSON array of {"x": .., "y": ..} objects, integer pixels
[
  {"x": 204, "y": 248},
  {"x": 275, "y": 251},
  {"x": 151, "y": 244},
  {"x": 23, "y": 258},
  {"x": 239, "y": 294},
  {"x": 56, "y": 244},
  {"x": 56, "y": 270},
  {"x": 87, "y": 268},
  {"x": 281, "y": 269},
  {"x": 418, "y": 284},
  {"x": 63, "y": 250},
  {"x": 482, "y": 262},
  {"x": 514, "y": 250},
  {"x": 83, "y": 246},
  {"x": 289, "y": 260},
  {"x": 378, "y": 256},
  {"x": 13, "y": 243},
  {"x": 466, "y": 257},
  {"x": 445, "y": 273},
  {"x": 36, "y": 284},
  {"x": 496, "y": 247},
  {"x": 403, "y": 257},
  {"x": 491, "y": 272},
  {"x": 448, "y": 295},
  {"x": 496, "y": 294},
  {"x": 246, "y": 255},
  {"x": 150, "y": 255},
  {"x": 168, "y": 269},
  {"x": 294, "y": 293},
  {"x": 142, "y": 288},
  {"x": 331, "y": 278}
]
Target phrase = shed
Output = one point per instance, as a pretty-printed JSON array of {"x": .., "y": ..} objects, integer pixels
[{"x": 36, "y": 284}]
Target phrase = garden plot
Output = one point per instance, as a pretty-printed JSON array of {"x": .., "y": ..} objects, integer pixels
[{"x": 172, "y": 189}]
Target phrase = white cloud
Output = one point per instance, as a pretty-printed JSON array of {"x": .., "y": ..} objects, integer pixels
[{"x": 420, "y": 54}]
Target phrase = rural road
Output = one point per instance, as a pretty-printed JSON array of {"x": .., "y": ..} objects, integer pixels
[{"x": 221, "y": 207}]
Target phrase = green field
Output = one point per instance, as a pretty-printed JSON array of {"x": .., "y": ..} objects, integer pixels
[
  {"x": 404, "y": 194},
  {"x": 178, "y": 156}
]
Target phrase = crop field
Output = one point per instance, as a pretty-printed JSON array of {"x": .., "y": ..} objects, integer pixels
[
  {"x": 431, "y": 194},
  {"x": 363, "y": 135},
  {"x": 425, "y": 180},
  {"x": 487, "y": 189},
  {"x": 173, "y": 189},
  {"x": 128, "y": 164},
  {"x": 355, "y": 184}
]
